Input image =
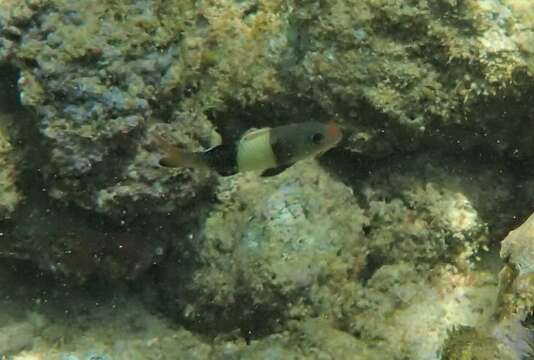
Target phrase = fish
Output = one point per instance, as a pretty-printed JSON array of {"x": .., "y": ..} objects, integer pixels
[{"x": 266, "y": 150}]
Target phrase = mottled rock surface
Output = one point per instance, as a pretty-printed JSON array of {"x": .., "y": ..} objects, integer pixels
[
  {"x": 435, "y": 101},
  {"x": 301, "y": 245}
]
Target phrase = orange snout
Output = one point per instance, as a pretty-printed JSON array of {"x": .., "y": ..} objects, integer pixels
[{"x": 333, "y": 132}]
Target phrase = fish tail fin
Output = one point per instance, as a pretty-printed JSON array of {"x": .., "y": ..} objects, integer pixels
[{"x": 174, "y": 157}]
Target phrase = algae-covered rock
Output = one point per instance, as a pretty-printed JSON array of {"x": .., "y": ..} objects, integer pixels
[
  {"x": 97, "y": 331},
  {"x": 99, "y": 74},
  {"x": 20, "y": 335},
  {"x": 309, "y": 339},
  {"x": 516, "y": 279},
  {"x": 506, "y": 340},
  {"x": 10, "y": 193},
  {"x": 268, "y": 243},
  {"x": 518, "y": 247},
  {"x": 11, "y": 155},
  {"x": 144, "y": 187},
  {"x": 401, "y": 74},
  {"x": 272, "y": 347},
  {"x": 299, "y": 245},
  {"x": 319, "y": 339},
  {"x": 421, "y": 211},
  {"x": 468, "y": 344},
  {"x": 407, "y": 313},
  {"x": 95, "y": 83},
  {"x": 507, "y": 333},
  {"x": 386, "y": 260}
]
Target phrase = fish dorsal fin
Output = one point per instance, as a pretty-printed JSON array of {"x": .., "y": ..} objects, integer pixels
[{"x": 254, "y": 133}]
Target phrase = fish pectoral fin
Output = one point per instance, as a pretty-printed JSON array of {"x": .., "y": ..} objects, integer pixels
[{"x": 275, "y": 170}]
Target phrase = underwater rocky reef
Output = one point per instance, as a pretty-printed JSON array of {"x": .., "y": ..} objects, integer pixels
[{"x": 396, "y": 244}]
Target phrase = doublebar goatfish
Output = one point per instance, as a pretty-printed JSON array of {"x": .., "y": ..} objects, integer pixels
[{"x": 269, "y": 150}]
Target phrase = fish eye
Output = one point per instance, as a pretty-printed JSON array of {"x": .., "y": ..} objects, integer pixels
[{"x": 317, "y": 138}]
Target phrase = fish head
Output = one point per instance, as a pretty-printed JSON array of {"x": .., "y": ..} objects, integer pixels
[
  {"x": 295, "y": 142},
  {"x": 319, "y": 138}
]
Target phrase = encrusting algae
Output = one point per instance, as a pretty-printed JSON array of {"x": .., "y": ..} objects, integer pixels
[{"x": 384, "y": 248}]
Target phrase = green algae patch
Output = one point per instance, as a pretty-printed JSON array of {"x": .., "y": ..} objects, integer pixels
[{"x": 11, "y": 195}]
